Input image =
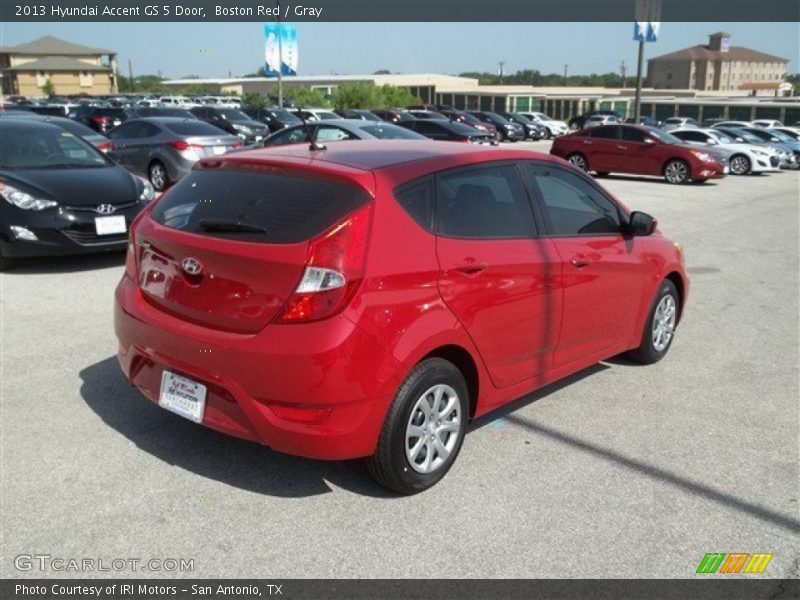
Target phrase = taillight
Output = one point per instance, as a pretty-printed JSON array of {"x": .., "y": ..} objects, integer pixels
[
  {"x": 105, "y": 147},
  {"x": 130, "y": 258},
  {"x": 334, "y": 269},
  {"x": 179, "y": 145},
  {"x": 100, "y": 120}
]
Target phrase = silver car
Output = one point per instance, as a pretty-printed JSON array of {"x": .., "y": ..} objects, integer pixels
[
  {"x": 164, "y": 149},
  {"x": 342, "y": 129}
]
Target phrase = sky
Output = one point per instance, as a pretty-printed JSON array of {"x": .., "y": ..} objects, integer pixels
[{"x": 217, "y": 49}]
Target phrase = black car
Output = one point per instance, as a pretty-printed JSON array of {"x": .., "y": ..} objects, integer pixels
[
  {"x": 579, "y": 121},
  {"x": 506, "y": 130},
  {"x": 233, "y": 121},
  {"x": 647, "y": 121},
  {"x": 394, "y": 115},
  {"x": 97, "y": 140},
  {"x": 60, "y": 195},
  {"x": 533, "y": 131},
  {"x": 274, "y": 118},
  {"x": 448, "y": 131},
  {"x": 101, "y": 119}
]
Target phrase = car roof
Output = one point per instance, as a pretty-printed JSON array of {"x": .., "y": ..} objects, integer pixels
[{"x": 372, "y": 155}]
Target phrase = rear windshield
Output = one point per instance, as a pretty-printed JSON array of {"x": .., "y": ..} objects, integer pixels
[
  {"x": 194, "y": 127},
  {"x": 256, "y": 207},
  {"x": 110, "y": 112},
  {"x": 391, "y": 132}
]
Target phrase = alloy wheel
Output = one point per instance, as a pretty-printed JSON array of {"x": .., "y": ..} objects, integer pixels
[
  {"x": 739, "y": 165},
  {"x": 676, "y": 172},
  {"x": 579, "y": 161},
  {"x": 433, "y": 429},
  {"x": 158, "y": 176},
  {"x": 664, "y": 323}
]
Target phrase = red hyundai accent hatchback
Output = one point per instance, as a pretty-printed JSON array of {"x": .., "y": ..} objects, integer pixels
[
  {"x": 369, "y": 299},
  {"x": 638, "y": 150}
]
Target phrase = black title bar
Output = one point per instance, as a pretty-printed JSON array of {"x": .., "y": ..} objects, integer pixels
[{"x": 392, "y": 10}]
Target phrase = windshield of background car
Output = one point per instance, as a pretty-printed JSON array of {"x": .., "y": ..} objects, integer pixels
[
  {"x": 46, "y": 148},
  {"x": 280, "y": 208},
  {"x": 721, "y": 137},
  {"x": 747, "y": 136},
  {"x": 194, "y": 127},
  {"x": 231, "y": 114},
  {"x": 663, "y": 136},
  {"x": 390, "y": 132}
]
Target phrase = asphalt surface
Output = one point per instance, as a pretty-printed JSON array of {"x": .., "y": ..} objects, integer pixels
[{"x": 620, "y": 471}]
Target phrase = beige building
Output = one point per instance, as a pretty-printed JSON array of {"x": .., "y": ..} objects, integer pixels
[
  {"x": 70, "y": 68},
  {"x": 717, "y": 66}
]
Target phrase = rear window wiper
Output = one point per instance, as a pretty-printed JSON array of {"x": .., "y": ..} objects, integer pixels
[{"x": 229, "y": 226}]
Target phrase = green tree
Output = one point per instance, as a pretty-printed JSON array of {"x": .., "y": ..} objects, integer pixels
[
  {"x": 304, "y": 96},
  {"x": 199, "y": 89},
  {"x": 48, "y": 89},
  {"x": 254, "y": 101}
]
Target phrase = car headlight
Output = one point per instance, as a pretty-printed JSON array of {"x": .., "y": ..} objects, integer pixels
[
  {"x": 148, "y": 193},
  {"x": 704, "y": 156},
  {"x": 22, "y": 199}
]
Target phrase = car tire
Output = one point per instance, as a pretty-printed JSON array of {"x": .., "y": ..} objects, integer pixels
[
  {"x": 549, "y": 134},
  {"x": 158, "y": 176},
  {"x": 663, "y": 318},
  {"x": 740, "y": 164},
  {"x": 578, "y": 160},
  {"x": 434, "y": 401},
  {"x": 677, "y": 171}
]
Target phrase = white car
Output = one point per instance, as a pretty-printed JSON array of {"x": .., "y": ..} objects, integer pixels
[
  {"x": 315, "y": 114},
  {"x": 733, "y": 124},
  {"x": 767, "y": 123},
  {"x": 554, "y": 127},
  {"x": 679, "y": 123},
  {"x": 596, "y": 120},
  {"x": 178, "y": 101},
  {"x": 742, "y": 158}
]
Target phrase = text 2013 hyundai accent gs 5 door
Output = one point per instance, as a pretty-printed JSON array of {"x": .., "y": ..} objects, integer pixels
[
  {"x": 638, "y": 150},
  {"x": 369, "y": 299}
]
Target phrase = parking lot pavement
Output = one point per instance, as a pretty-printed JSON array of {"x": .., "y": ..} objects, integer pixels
[{"x": 620, "y": 471}]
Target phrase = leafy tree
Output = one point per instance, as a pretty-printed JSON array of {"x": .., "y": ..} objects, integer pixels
[
  {"x": 48, "y": 89},
  {"x": 254, "y": 100},
  {"x": 199, "y": 89},
  {"x": 141, "y": 84},
  {"x": 304, "y": 96}
]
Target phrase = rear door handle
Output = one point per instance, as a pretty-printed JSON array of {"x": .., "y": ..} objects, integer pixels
[
  {"x": 587, "y": 142},
  {"x": 472, "y": 268},
  {"x": 579, "y": 261},
  {"x": 622, "y": 147}
]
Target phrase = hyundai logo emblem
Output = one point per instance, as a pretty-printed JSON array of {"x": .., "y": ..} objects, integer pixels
[
  {"x": 106, "y": 209},
  {"x": 191, "y": 266}
]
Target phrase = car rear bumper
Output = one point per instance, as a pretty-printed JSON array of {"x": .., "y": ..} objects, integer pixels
[
  {"x": 59, "y": 231},
  {"x": 319, "y": 390}
]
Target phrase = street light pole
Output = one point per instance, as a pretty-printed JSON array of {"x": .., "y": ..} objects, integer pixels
[
  {"x": 638, "y": 101},
  {"x": 280, "y": 56}
]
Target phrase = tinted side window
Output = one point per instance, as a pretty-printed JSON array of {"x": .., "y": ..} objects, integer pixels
[
  {"x": 604, "y": 132},
  {"x": 295, "y": 135},
  {"x": 488, "y": 202},
  {"x": 572, "y": 205},
  {"x": 417, "y": 199},
  {"x": 631, "y": 134},
  {"x": 124, "y": 131}
]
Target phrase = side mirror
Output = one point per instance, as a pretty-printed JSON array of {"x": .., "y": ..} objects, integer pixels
[
  {"x": 712, "y": 142},
  {"x": 640, "y": 224},
  {"x": 649, "y": 140}
]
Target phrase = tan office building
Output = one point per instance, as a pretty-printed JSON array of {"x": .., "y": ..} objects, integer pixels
[
  {"x": 717, "y": 66},
  {"x": 70, "y": 68}
]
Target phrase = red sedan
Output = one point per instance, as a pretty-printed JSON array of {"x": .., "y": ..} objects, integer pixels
[
  {"x": 638, "y": 150},
  {"x": 369, "y": 299}
]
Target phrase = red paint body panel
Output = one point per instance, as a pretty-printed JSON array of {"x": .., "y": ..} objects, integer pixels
[
  {"x": 622, "y": 156},
  {"x": 322, "y": 389}
]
